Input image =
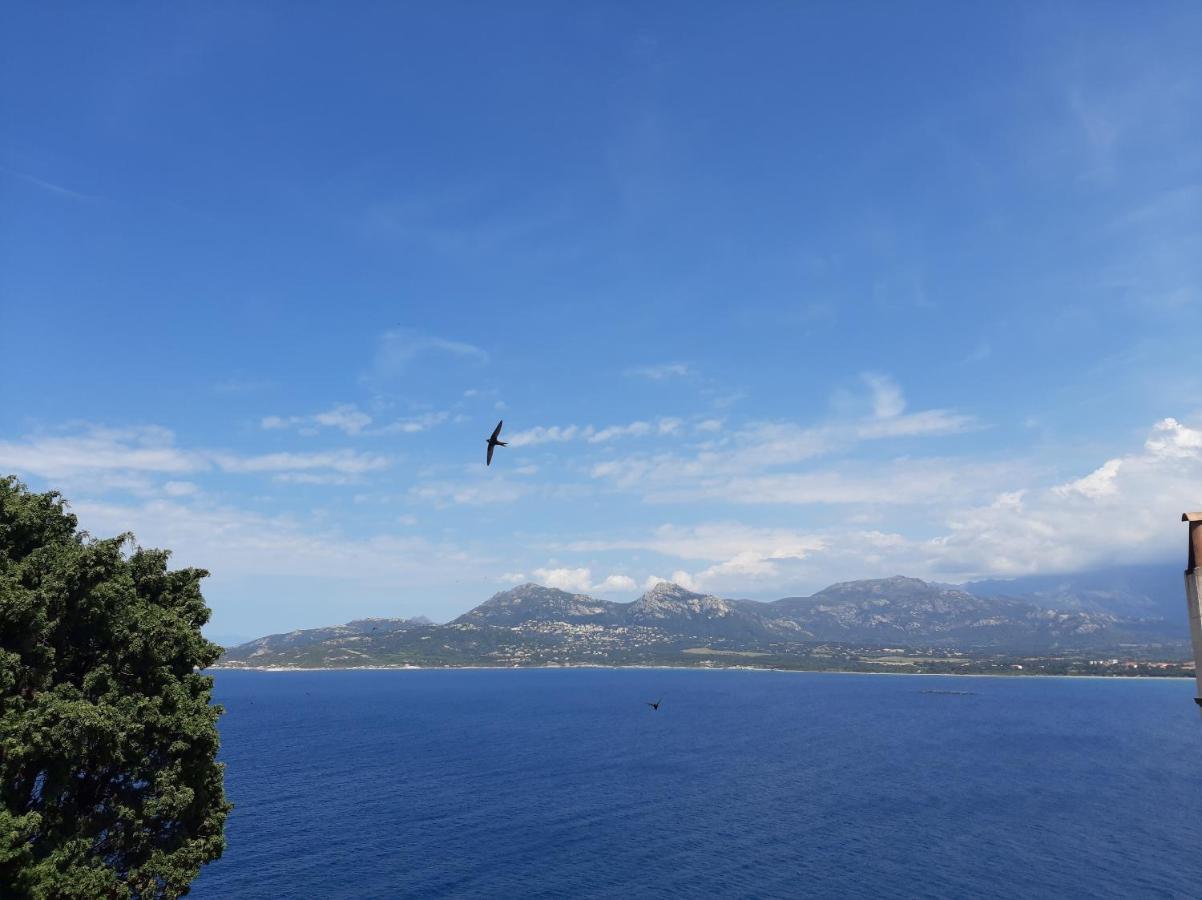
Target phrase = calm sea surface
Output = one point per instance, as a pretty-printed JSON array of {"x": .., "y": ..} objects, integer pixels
[{"x": 562, "y": 783}]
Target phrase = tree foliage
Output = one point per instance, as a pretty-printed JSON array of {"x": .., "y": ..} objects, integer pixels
[{"x": 109, "y": 785}]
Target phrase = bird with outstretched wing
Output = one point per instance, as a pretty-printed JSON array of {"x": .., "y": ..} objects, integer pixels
[{"x": 493, "y": 443}]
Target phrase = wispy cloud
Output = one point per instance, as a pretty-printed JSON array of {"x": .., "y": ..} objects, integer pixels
[
  {"x": 345, "y": 417},
  {"x": 887, "y": 399},
  {"x": 349, "y": 419},
  {"x": 714, "y": 541},
  {"x": 981, "y": 523},
  {"x": 347, "y": 462},
  {"x": 898, "y": 483},
  {"x": 399, "y": 348},
  {"x": 413, "y": 424},
  {"x": 661, "y": 371},
  {"x": 48, "y": 186},
  {"x": 234, "y": 542},
  {"x": 544, "y": 435},
  {"x": 152, "y": 449},
  {"x": 738, "y": 466},
  {"x": 559, "y": 433},
  {"x": 737, "y": 552},
  {"x": 475, "y": 493},
  {"x": 743, "y": 465},
  {"x": 138, "y": 449}
]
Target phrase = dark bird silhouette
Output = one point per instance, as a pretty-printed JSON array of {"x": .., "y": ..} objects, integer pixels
[
  {"x": 493, "y": 443},
  {"x": 656, "y": 704}
]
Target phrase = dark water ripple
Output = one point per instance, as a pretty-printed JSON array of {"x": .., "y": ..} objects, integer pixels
[{"x": 561, "y": 783}]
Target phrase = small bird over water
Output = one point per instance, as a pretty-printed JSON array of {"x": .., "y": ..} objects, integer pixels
[
  {"x": 493, "y": 443},
  {"x": 656, "y": 704}
]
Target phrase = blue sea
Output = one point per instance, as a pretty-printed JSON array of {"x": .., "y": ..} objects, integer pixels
[{"x": 563, "y": 783}]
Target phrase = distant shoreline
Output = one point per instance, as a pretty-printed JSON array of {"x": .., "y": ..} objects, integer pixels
[{"x": 410, "y": 668}]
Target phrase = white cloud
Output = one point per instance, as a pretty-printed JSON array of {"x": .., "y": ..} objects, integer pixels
[
  {"x": 964, "y": 519},
  {"x": 1127, "y": 510},
  {"x": 234, "y": 542},
  {"x": 930, "y": 423},
  {"x": 413, "y": 424},
  {"x": 560, "y": 433},
  {"x": 179, "y": 488},
  {"x": 140, "y": 449},
  {"x": 542, "y": 435},
  {"x": 738, "y": 574},
  {"x": 716, "y": 541},
  {"x": 748, "y": 474},
  {"x": 575, "y": 580},
  {"x": 615, "y": 583},
  {"x": 512, "y": 578},
  {"x": 1170, "y": 438},
  {"x": 888, "y": 484},
  {"x": 348, "y": 462},
  {"x": 346, "y": 417},
  {"x": 580, "y": 581},
  {"x": 744, "y": 465},
  {"x": 739, "y": 552},
  {"x": 685, "y": 580},
  {"x": 634, "y": 429},
  {"x": 1098, "y": 483},
  {"x": 122, "y": 452}
]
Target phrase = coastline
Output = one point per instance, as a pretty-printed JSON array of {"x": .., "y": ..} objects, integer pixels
[{"x": 412, "y": 668}]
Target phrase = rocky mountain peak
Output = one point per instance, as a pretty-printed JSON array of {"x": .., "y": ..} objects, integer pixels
[
  {"x": 667, "y": 600},
  {"x": 531, "y": 591},
  {"x": 667, "y": 590},
  {"x": 536, "y": 603}
]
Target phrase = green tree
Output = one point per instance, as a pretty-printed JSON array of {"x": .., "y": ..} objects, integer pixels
[{"x": 109, "y": 784}]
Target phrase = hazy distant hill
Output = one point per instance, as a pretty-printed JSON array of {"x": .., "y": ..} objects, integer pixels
[
  {"x": 1135, "y": 592},
  {"x": 532, "y": 624},
  {"x": 908, "y": 610}
]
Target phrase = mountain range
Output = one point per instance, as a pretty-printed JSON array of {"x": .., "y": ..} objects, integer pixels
[{"x": 532, "y": 624}]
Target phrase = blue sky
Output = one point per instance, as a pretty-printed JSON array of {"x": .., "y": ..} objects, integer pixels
[{"x": 769, "y": 295}]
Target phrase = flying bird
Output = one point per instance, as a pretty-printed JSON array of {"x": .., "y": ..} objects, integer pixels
[
  {"x": 656, "y": 704},
  {"x": 493, "y": 443}
]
